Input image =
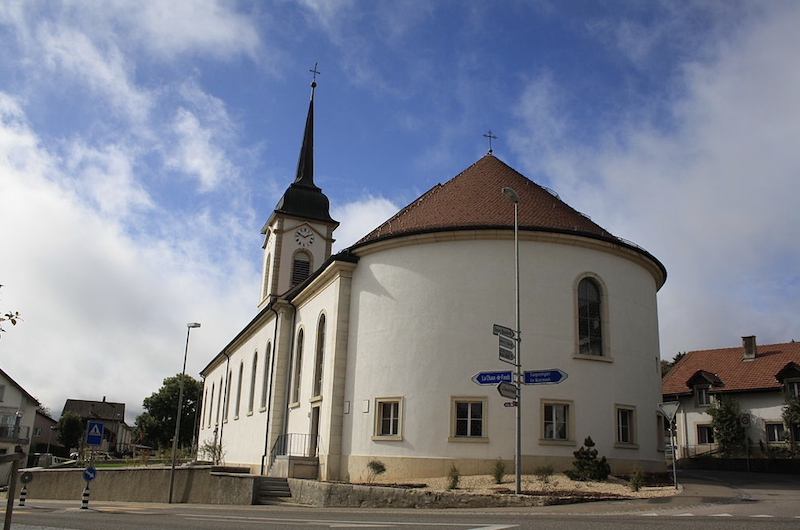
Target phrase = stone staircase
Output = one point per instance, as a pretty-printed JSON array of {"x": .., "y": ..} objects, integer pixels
[{"x": 272, "y": 490}]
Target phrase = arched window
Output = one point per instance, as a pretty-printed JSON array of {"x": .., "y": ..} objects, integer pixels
[
  {"x": 211, "y": 403},
  {"x": 228, "y": 396},
  {"x": 590, "y": 315},
  {"x": 265, "y": 382},
  {"x": 252, "y": 397},
  {"x": 320, "y": 356},
  {"x": 238, "y": 391},
  {"x": 267, "y": 266},
  {"x": 301, "y": 267},
  {"x": 298, "y": 363}
]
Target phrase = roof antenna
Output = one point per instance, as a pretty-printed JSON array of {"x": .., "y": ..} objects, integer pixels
[
  {"x": 314, "y": 80},
  {"x": 490, "y": 137}
]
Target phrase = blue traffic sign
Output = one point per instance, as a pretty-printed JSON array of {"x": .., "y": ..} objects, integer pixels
[
  {"x": 544, "y": 377},
  {"x": 89, "y": 474},
  {"x": 492, "y": 378},
  {"x": 94, "y": 433}
]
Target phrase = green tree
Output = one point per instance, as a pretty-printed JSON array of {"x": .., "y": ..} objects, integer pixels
[
  {"x": 726, "y": 423},
  {"x": 156, "y": 425},
  {"x": 586, "y": 465},
  {"x": 70, "y": 430},
  {"x": 666, "y": 366},
  {"x": 791, "y": 413}
]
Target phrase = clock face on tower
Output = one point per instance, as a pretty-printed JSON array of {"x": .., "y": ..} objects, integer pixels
[{"x": 304, "y": 237}]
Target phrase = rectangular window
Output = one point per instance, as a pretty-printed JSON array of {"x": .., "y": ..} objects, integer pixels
[
  {"x": 705, "y": 435},
  {"x": 793, "y": 388},
  {"x": 775, "y": 433},
  {"x": 626, "y": 426},
  {"x": 388, "y": 418},
  {"x": 702, "y": 397},
  {"x": 468, "y": 419},
  {"x": 37, "y": 432},
  {"x": 2, "y": 392},
  {"x": 556, "y": 421}
]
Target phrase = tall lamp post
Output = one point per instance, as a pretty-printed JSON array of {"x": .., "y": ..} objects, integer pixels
[
  {"x": 512, "y": 196},
  {"x": 189, "y": 327}
]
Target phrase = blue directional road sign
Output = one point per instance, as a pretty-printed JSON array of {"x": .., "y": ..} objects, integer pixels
[
  {"x": 544, "y": 377},
  {"x": 94, "y": 433},
  {"x": 89, "y": 474},
  {"x": 492, "y": 378}
]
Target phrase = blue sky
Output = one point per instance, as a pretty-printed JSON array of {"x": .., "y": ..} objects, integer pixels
[{"x": 143, "y": 144}]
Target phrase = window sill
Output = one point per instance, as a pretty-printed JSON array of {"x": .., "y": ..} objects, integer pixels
[
  {"x": 250, "y": 413},
  {"x": 294, "y": 405},
  {"x": 262, "y": 409},
  {"x": 621, "y": 445},
  {"x": 468, "y": 439},
  {"x": 549, "y": 441},
  {"x": 387, "y": 438},
  {"x": 315, "y": 399},
  {"x": 600, "y": 358}
]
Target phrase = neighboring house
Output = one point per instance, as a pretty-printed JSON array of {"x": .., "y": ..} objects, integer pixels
[
  {"x": 758, "y": 377},
  {"x": 370, "y": 353},
  {"x": 45, "y": 434},
  {"x": 116, "y": 433},
  {"x": 17, "y": 416}
]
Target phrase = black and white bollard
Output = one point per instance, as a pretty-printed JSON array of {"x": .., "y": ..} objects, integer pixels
[
  {"x": 85, "y": 498},
  {"x": 23, "y": 493}
]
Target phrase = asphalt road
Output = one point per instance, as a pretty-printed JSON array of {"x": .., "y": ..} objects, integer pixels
[{"x": 725, "y": 501}]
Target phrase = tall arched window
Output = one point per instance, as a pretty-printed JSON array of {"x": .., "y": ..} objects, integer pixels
[
  {"x": 252, "y": 398},
  {"x": 590, "y": 318},
  {"x": 319, "y": 359},
  {"x": 267, "y": 267},
  {"x": 238, "y": 391},
  {"x": 211, "y": 403},
  {"x": 301, "y": 267},
  {"x": 298, "y": 363},
  {"x": 228, "y": 396},
  {"x": 265, "y": 382}
]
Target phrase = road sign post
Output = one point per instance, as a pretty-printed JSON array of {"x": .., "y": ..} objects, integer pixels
[
  {"x": 544, "y": 377},
  {"x": 94, "y": 433},
  {"x": 492, "y": 378}
]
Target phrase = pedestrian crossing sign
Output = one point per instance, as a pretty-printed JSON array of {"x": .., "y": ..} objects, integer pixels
[{"x": 94, "y": 433}]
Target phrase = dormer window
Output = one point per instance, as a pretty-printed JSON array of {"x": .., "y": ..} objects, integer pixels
[
  {"x": 793, "y": 388},
  {"x": 702, "y": 396}
]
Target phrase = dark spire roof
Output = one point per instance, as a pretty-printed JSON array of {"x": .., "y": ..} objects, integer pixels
[{"x": 303, "y": 198}]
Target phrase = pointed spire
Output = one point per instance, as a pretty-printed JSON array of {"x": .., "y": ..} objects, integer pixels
[{"x": 304, "y": 198}]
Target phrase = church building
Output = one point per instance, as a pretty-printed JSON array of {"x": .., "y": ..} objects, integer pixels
[{"x": 386, "y": 350}]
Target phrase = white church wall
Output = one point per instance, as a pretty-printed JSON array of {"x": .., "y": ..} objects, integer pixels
[{"x": 421, "y": 327}]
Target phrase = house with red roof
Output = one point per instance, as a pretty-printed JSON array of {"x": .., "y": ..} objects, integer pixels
[
  {"x": 387, "y": 349},
  {"x": 757, "y": 376}
]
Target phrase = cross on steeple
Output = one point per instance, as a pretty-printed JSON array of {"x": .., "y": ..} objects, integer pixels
[
  {"x": 490, "y": 137},
  {"x": 314, "y": 80}
]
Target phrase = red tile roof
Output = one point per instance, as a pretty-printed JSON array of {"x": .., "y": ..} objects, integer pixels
[
  {"x": 473, "y": 199},
  {"x": 736, "y": 374}
]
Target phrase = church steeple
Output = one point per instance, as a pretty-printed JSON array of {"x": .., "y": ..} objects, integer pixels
[
  {"x": 299, "y": 233},
  {"x": 304, "y": 198}
]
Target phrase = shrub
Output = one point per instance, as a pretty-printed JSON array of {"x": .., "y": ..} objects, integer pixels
[
  {"x": 499, "y": 471},
  {"x": 637, "y": 479},
  {"x": 454, "y": 477},
  {"x": 543, "y": 473},
  {"x": 374, "y": 468},
  {"x": 586, "y": 465}
]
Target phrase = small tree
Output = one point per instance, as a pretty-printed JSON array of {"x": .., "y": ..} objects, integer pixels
[
  {"x": 374, "y": 468},
  {"x": 453, "y": 477},
  {"x": 726, "y": 424},
  {"x": 70, "y": 430},
  {"x": 586, "y": 465},
  {"x": 791, "y": 413},
  {"x": 499, "y": 471}
]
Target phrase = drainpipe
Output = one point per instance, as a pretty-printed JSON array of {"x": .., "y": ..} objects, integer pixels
[{"x": 269, "y": 391}]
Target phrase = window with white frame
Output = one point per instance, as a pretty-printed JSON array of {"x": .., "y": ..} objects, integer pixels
[
  {"x": 793, "y": 388},
  {"x": 239, "y": 391},
  {"x": 265, "y": 382},
  {"x": 775, "y": 432},
  {"x": 319, "y": 359},
  {"x": 468, "y": 418},
  {"x": 388, "y": 418},
  {"x": 556, "y": 421},
  {"x": 626, "y": 425},
  {"x": 705, "y": 434}
]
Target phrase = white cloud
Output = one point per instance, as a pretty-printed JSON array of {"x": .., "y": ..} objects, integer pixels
[{"x": 360, "y": 217}]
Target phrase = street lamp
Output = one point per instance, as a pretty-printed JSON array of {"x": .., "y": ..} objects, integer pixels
[
  {"x": 512, "y": 196},
  {"x": 189, "y": 327}
]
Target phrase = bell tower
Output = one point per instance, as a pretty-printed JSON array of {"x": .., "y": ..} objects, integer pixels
[{"x": 298, "y": 236}]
